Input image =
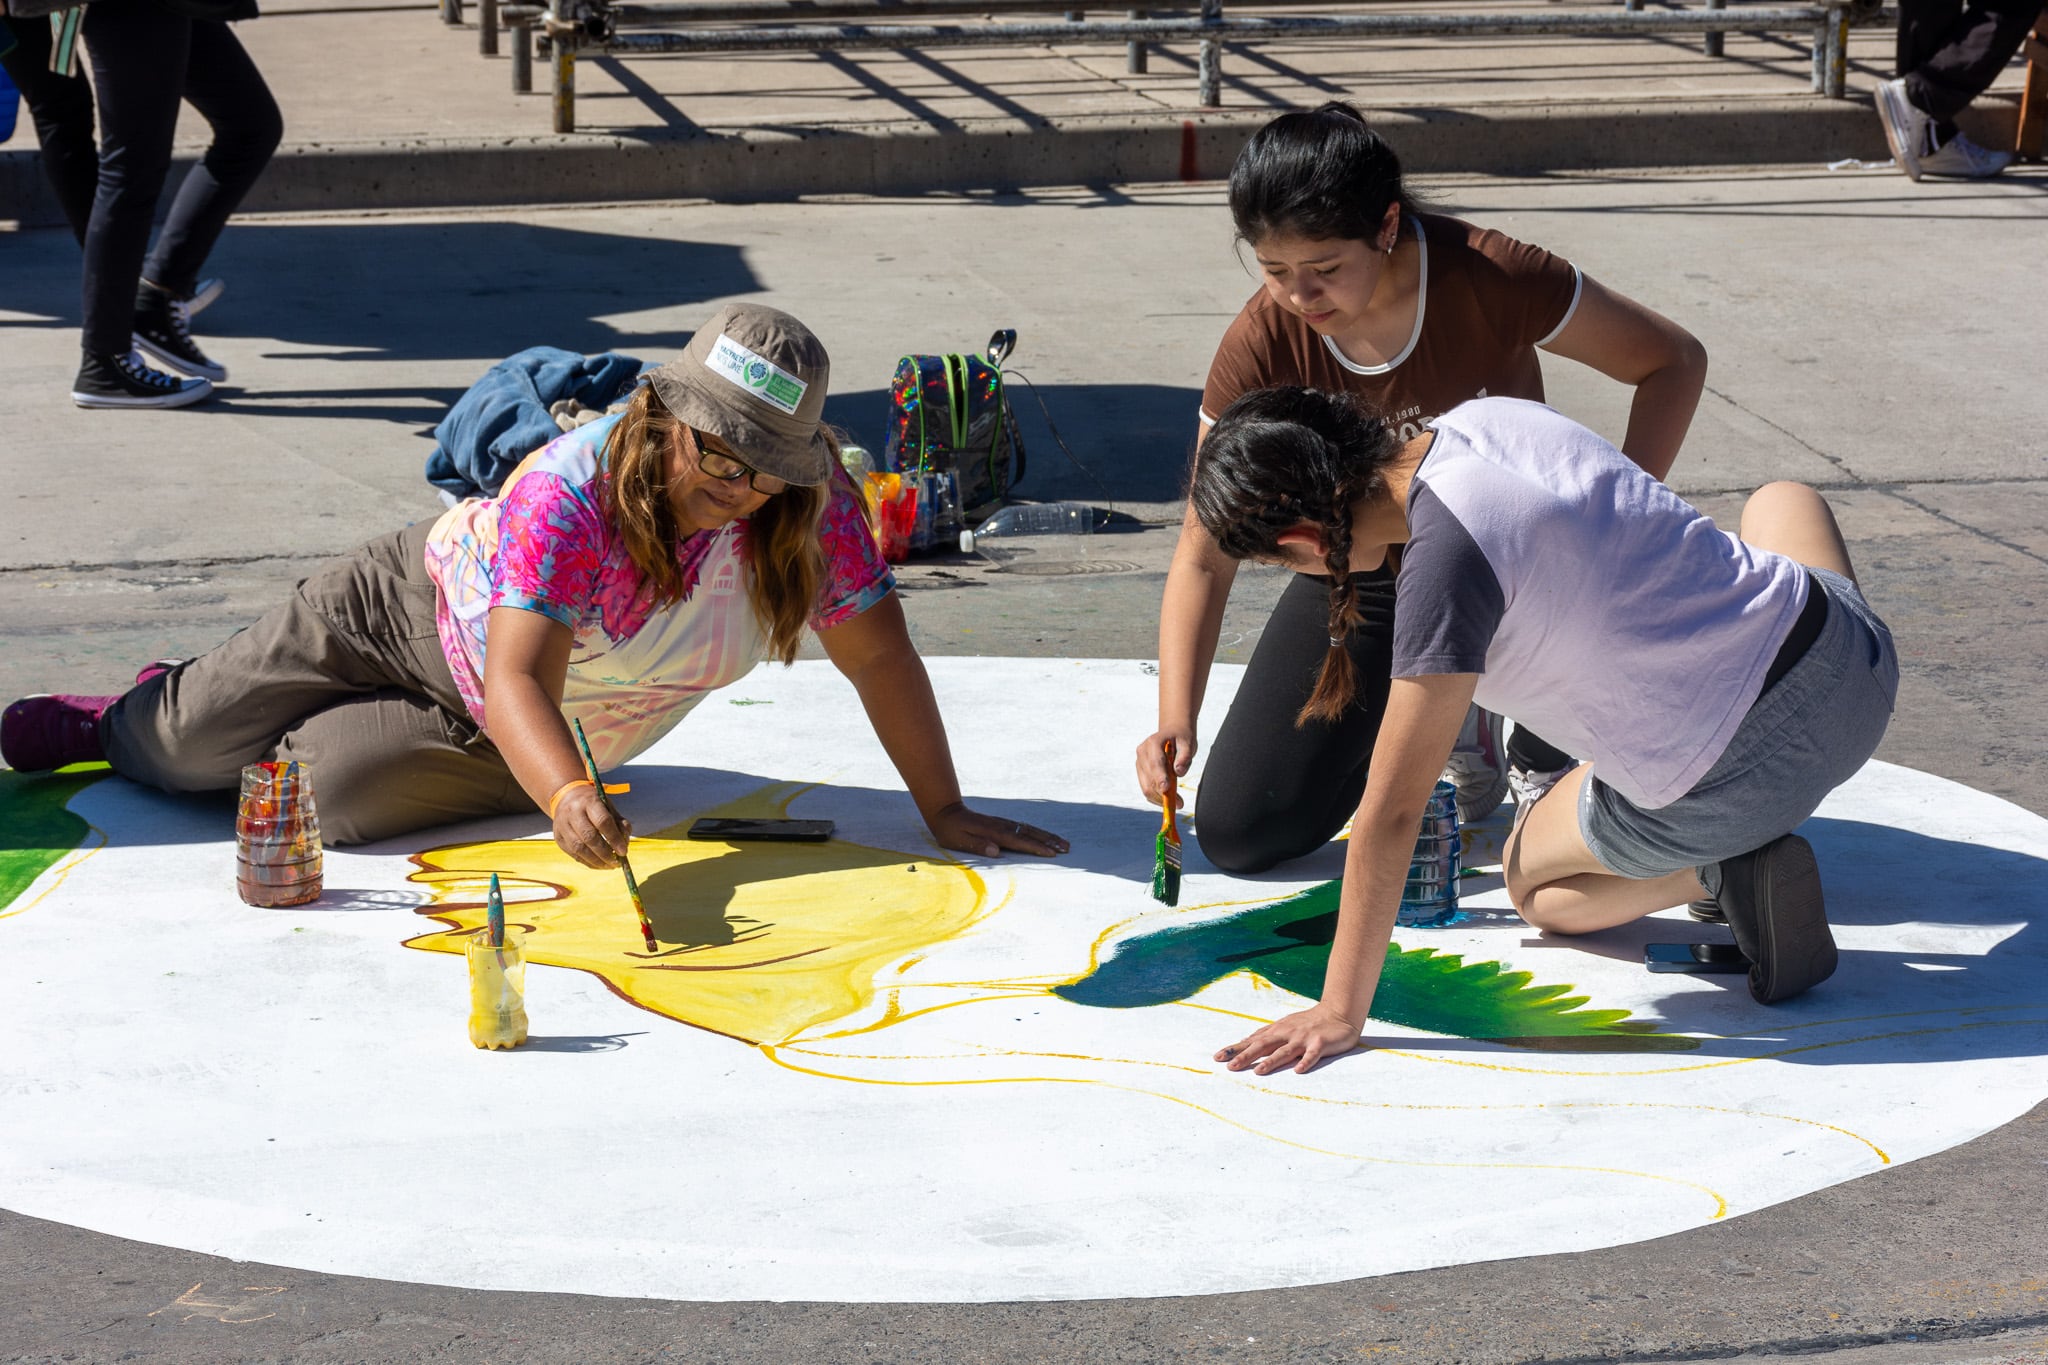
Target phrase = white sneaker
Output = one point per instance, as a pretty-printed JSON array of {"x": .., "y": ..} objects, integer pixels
[
  {"x": 1479, "y": 766},
  {"x": 203, "y": 295},
  {"x": 1909, "y": 131},
  {"x": 1964, "y": 159},
  {"x": 1530, "y": 786}
]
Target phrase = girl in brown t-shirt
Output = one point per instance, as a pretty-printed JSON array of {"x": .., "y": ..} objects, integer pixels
[{"x": 1415, "y": 313}]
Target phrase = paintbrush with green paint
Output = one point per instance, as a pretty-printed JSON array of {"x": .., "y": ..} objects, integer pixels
[
  {"x": 494, "y": 915},
  {"x": 1166, "y": 851},
  {"x": 632, "y": 885}
]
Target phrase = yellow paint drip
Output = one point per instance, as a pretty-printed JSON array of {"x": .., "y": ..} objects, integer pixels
[{"x": 759, "y": 941}]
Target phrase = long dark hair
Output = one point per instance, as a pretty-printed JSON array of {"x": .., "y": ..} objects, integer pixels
[
  {"x": 786, "y": 559},
  {"x": 1321, "y": 173},
  {"x": 1277, "y": 458}
]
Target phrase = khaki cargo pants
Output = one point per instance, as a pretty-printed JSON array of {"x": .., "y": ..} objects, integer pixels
[{"x": 347, "y": 677}]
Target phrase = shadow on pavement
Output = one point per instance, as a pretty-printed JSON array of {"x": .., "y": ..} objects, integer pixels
[
  {"x": 1128, "y": 442},
  {"x": 384, "y": 290}
]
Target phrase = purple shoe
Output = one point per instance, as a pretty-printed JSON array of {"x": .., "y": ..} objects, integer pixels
[{"x": 43, "y": 732}]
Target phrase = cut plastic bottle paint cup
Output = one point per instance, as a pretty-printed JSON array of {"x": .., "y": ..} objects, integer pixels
[
  {"x": 278, "y": 856},
  {"x": 895, "y": 502},
  {"x": 1429, "y": 899},
  {"x": 497, "y": 990}
]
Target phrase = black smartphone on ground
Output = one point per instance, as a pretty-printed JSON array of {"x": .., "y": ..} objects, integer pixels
[
  {"x": 1694, "y": 957},
  {"x": 783, "y": 831}
]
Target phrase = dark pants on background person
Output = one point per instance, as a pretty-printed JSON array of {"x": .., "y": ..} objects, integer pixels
[
  {"x": 145, "y": 60},
  {"x": 1950, "y": 52},
  {"x": 346, "y": 677},
  {"x": 61, "y": 108},
  {"x": 1272, "y": 792}
]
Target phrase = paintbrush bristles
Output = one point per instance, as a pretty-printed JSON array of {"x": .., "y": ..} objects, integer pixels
[
  {"x": 626, "y": 867},
  {"x": 1166, "y": 849}
]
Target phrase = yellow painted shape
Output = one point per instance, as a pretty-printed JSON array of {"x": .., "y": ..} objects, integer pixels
[{"x": 759, "y": 941}]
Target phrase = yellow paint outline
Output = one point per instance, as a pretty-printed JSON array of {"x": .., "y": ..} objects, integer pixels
[
  {"x": 54, "y": 876},
  {"x": 895, "y": 1016},
  {"x": 773, "y": 1053}
]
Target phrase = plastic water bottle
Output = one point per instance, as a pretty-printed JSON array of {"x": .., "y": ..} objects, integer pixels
[
  {"x": 938, "y": 509},
  {"x": 1429, "y": 900},
  {"x": 1036, "y": 519}
]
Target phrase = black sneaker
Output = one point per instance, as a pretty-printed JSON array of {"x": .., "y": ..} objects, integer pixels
[
  {"x": 124, "y": 381},
  {"x": 1772, "y": 899},
  {"x": 163, "y": 329},
  {"x": 1707, "y": 910}
]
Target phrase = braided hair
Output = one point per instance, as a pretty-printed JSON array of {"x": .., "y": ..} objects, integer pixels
[{"x": 1283, "y": 456}]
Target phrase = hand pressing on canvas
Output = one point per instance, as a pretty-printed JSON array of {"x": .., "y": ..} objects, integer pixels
[
  {"x": 1299, "y": 1040},
  {"x": 969, "y": 831}
]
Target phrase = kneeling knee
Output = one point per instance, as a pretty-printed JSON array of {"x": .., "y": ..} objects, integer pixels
[{"x": 1549, "y": 908}]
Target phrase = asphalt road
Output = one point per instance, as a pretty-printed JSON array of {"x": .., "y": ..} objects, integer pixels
[{"x": 1877, "y": 338}]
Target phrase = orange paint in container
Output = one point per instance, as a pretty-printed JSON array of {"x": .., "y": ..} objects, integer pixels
[
  {"x": 894, "y": 499},
  {"x": 277, "y": 836}
]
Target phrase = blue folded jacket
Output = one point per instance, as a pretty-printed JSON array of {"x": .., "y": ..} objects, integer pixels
[{"x": 504, "y": 416}]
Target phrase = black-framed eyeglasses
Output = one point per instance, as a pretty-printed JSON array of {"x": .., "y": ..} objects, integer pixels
[{"x": 727, "y": 467}]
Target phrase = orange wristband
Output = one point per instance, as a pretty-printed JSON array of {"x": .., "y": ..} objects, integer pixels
[{"x": 556, "y": 800}]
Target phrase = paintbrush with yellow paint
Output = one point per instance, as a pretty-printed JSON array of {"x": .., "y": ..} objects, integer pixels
[
  {"x": 625, "y": 865},
  {"x": 1166, "y": 851}
]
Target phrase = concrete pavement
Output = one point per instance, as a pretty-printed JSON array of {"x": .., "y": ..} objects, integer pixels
[
  {"x": 1896, "y": 374},
  {"x": 386, "y": 107}
]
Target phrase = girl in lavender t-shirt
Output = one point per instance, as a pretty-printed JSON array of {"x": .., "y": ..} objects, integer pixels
[{"x": 1716, "y": 687}]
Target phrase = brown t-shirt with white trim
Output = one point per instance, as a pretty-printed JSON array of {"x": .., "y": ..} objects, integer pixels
[{"x": 1486, "y": 303}]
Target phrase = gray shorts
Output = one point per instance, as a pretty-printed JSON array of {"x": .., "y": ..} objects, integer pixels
[{"x": 1802, "y": 739}]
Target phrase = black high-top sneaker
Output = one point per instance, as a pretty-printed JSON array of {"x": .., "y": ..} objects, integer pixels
[
  {"x": 124, "y": 381},
  {"x": 163, "y": 330}
]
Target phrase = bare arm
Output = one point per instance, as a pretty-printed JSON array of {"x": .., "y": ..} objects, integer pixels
[
  {"x": 1421, "y": 725},
  {"x": 1667, "y": 365},
  {"x": 874, "y": 652},
  {"x": 526, "y": 661},
  {"x": 1190, "y": 619}
]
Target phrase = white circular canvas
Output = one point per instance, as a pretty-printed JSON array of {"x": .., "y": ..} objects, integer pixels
[{"x": 873, "y": 1072}]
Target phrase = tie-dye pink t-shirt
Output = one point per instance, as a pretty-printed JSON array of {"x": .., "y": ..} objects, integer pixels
[{"x": 634, "y": 671}]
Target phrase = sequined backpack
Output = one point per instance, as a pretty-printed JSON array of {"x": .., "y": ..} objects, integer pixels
[{"x": 949, "y": 414}]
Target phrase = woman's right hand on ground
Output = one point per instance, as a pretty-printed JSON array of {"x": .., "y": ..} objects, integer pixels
[
  {"x": 1152, "y": 760},
  {"x": 586, "y": 830}
]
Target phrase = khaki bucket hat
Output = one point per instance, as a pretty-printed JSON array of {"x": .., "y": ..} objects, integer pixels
[{"x": 755, "y": 378}]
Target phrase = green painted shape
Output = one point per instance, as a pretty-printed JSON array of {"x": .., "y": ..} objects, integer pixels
[
  {"x": 36, "y": 825},
  {"x": 1288, "y": 943}
]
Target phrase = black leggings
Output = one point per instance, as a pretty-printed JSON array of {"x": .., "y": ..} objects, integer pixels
[
  {"x": 1271, "y": 792},
  {"x": 61, "y": 106},
  {"x": 144, "y": 60},
  {"x": 1951, "y": 50}
]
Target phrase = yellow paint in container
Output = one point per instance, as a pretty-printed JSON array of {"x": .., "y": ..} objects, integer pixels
[{"x": 497, "y": 990}]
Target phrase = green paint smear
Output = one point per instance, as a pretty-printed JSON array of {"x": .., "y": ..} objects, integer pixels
[
  {"x": 1288, "y": 943},
  {"x": 36, "y": 828}
]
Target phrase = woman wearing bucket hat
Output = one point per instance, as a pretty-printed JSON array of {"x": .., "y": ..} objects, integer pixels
[{"x": 623, "y": 572}]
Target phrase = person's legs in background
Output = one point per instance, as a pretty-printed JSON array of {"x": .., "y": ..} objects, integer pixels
[
  {"x": 223, "y": 84},
  {"x": 1948, "y": 54},
  {"x": 61, "y": 106},
  {"x": 138, "y": 52}
]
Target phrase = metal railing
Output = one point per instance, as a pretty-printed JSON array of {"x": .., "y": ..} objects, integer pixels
[{"x": 568, "y": 27}]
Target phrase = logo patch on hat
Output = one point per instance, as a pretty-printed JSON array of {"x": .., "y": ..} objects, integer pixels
[{"x": 756, "y": 374}]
